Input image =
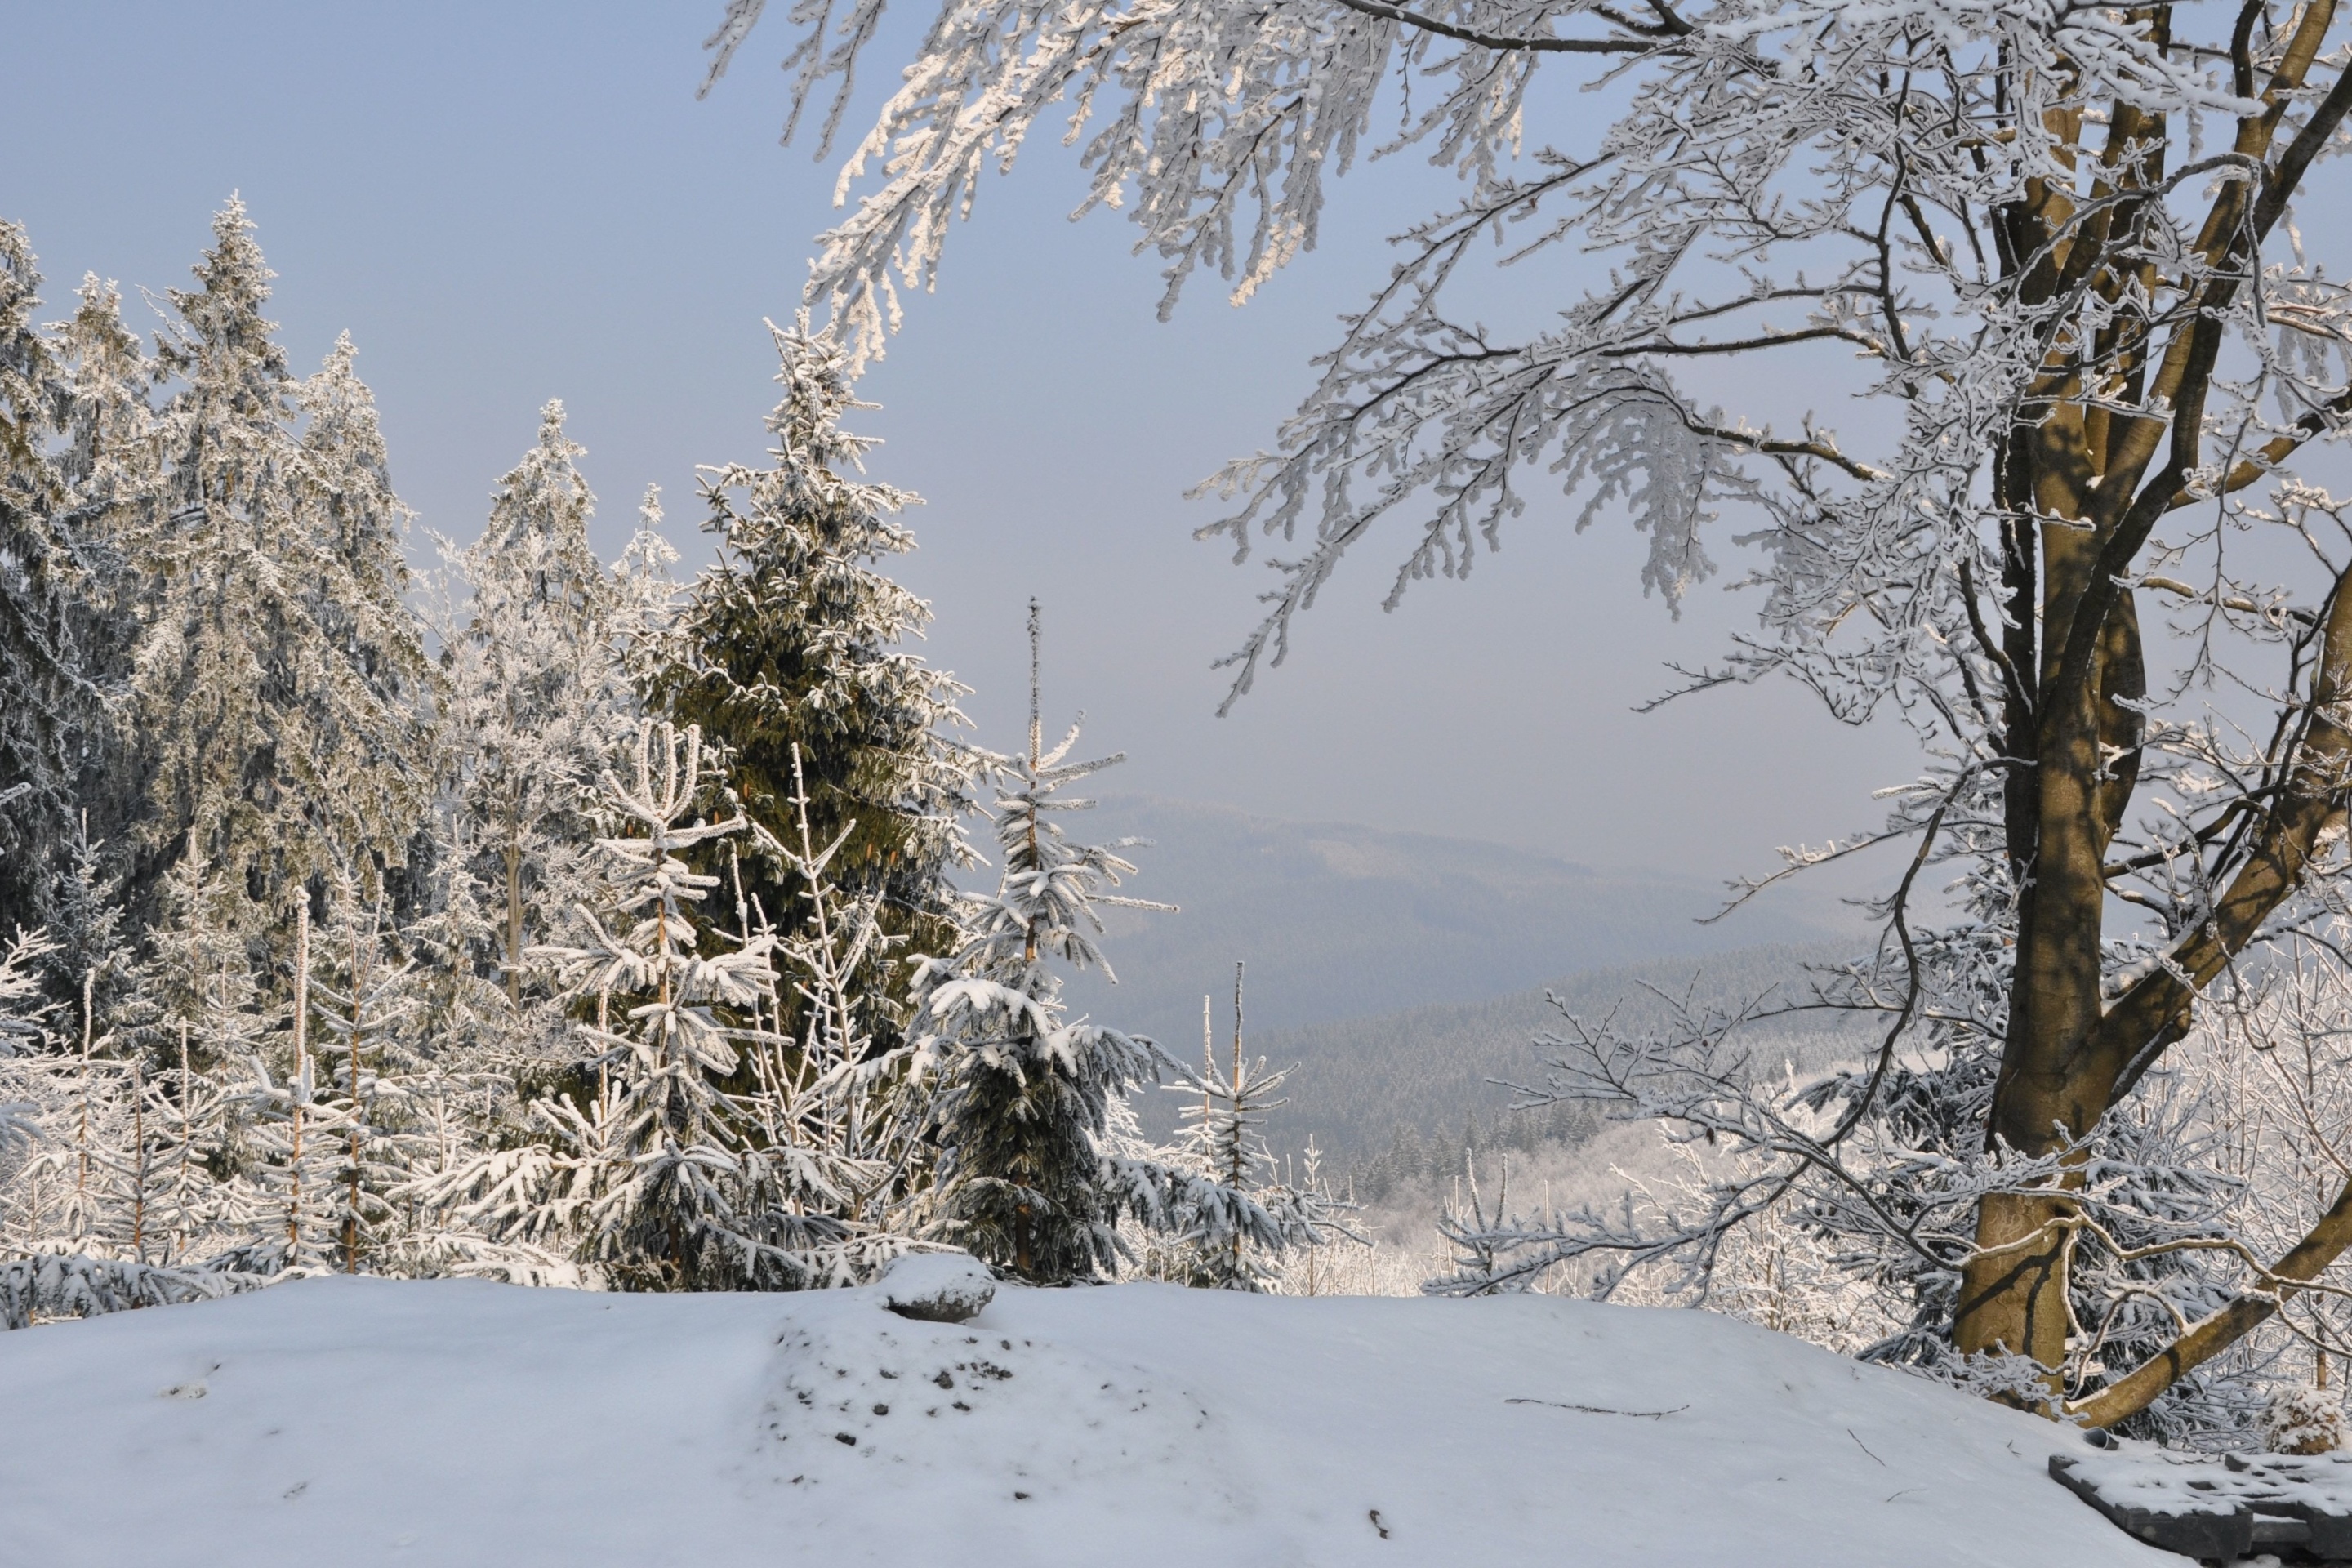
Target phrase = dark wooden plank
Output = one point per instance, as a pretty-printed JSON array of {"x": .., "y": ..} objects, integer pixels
[{"x": 2224, "y": 1530}]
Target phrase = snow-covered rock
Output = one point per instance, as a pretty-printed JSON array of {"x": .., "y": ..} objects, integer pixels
[
  {"x": 457, "y": 1423},
  {"x": 937, "y": 1287}
]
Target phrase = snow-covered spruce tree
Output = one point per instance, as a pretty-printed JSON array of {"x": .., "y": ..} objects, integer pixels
[
  {"x": 295, "y": 1125},
  {"x": 649, "y": 597},
  {"x": 373, "y": 680},
  {"x": 193, "y": 1012},
  {"x": 792, "y": 644},
  {"x": 53, "y": 576},
  {"x": 107, "y": 456},
  {"x": 538, "y": 520},
  {"x": 653, "y": 1179},
  {"x": 81, "y": 1200},
  {"x": 205, "y": 1206},
  {"x": 533, "y": 687},
  {"x": 332, "y": 1131},
  {"x": 88, "y": 960},
  {"x": 836, "y": 1120},
  {"x": 196, "y": 978},
  {"x": 365, "y": 989},
  {"x": 52, "y": 1267},
  {"x": 272, "y": 699},
  {"x": 464, "y": 1015},
  {"x": 277, "y": 668},
  {"x": 37, "y": 665},
  {"x": 1038, "y": 1161},
  {"x": 1483, "y": 1238},
  {"x": 88, "y": 1188},
  {"x": 91, "y": 961},
  {"x": 544, "y": 653},
  {"x": 1234, "y": 1224},
  {"x": 1311, "y": 1269},
  {"x": 28, "y": 481},
  {"x": 480, "y": 1190},
  {"x": 38, "y": 1103},
  {"x": 109, "y": 462},
  {"x": 2053, "y": 255}
]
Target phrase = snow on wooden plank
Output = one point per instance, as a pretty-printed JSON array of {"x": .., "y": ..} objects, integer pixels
[{"x": 2220, "y": 1509}]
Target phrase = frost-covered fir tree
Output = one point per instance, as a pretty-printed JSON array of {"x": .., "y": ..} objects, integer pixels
[
  {"x": 649, "y": 1177},
  {"x": 649, "y": 597},
  {"x": 1037, "y": 1164},
  {"x": 196, "y": 979},
  {"x": 36, "y": 667},
  {"x": 538, "y": 521},
  {"x": 295, "y": 1127},
  {"x": 840, "y": 1123},
  {"x": 464, "y": 1015},
  {"x": 364, "y": 990},
  {"x": 1230, "y": 1220},
  {"x": 28, "y": 480},
  {"x": 52, "y": 719},
  {"x": 534, "y": 685},
  {"x": 37, "y": 1104},
  {"x": 203, "y": 1206},
  {"x": 371, "y": 675},
  {"x": 91, "y": 959},
  {"x": 196, "y": 1014},
  {"x": 793, "y": 643},
  {"x": 543, "y": 658},
  {"x": 110, "y": 465},
  {"x": 278, "y": 669},
  {"x": 106, "y": 458},
  {"x": 86, "y": 1210}
]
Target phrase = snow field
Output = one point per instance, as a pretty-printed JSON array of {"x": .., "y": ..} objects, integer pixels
[{"x": 448, "y": 1422}]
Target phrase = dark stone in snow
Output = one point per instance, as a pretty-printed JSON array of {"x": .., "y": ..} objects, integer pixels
[{"x": 938, "y": 1287}]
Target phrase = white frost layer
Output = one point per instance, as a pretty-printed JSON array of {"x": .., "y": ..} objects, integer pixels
[{"x": 460, "y": 1423}]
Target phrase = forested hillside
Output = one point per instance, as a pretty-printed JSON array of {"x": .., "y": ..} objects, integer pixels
[{"x": 1426, "y": 1074}]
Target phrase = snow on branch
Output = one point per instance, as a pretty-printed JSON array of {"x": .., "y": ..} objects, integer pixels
[{"x": 56, "y": 1285}]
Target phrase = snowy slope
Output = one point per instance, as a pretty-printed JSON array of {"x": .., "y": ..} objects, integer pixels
[{"x": 462, "y": 1423}]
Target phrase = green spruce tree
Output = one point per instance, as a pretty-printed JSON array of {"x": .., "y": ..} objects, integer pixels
[
  {"x": 794, "y": 639},
  {"x": 1039, "y": 1158}
]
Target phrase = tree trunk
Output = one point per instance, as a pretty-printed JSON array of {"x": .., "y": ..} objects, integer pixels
[{"x": 514, "y": 923}]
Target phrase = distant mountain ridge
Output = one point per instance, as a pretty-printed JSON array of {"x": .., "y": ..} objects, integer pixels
[
  {"x": 1399, "y": 970},
  {"x": 1339, "y": 921}
]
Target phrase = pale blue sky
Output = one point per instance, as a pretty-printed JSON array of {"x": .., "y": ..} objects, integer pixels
[{"x": 509, "y": 203}]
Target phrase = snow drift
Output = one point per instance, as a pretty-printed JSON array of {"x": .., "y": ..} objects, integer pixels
[{"x": 456, "y": 1421}]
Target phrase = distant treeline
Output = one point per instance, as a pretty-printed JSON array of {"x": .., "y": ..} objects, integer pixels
[{"x": 1372, "y": 1091}]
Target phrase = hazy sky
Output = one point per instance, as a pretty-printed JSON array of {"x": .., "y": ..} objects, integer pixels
[{"x": 507, "y": 204}]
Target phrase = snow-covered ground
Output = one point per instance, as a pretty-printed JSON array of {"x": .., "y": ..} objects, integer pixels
[{"x": 358, "y": 1421}]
